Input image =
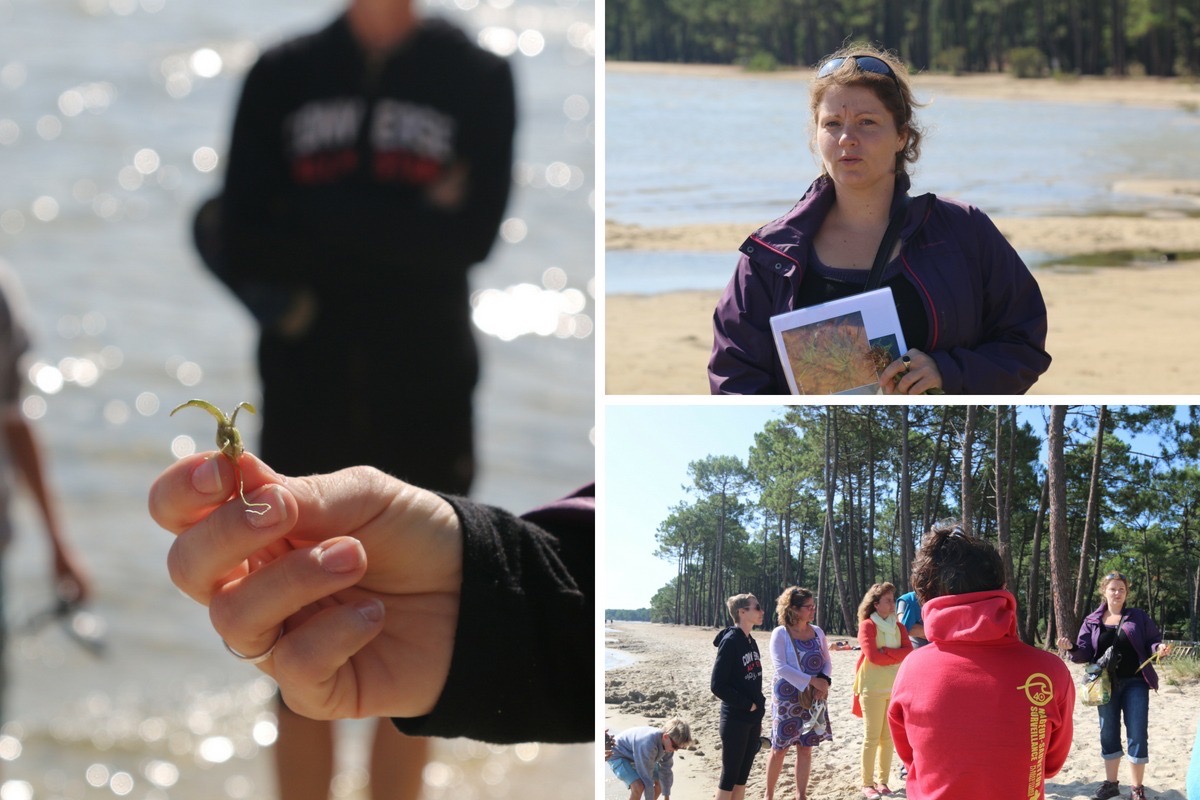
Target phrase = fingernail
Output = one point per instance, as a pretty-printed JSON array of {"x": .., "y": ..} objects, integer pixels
[
  {"x": 370, "y": 610},
  {"x": 344, "y": 555},
  {"x": 266, "y": 507},
  {"x": 206, "y": 478}
]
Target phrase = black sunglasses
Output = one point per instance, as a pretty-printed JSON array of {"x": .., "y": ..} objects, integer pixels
[{"x": 865, "y": 63}]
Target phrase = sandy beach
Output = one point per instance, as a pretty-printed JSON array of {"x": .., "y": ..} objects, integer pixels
[
  {"x": 1112, "y": 330},
  {"x": 670, "y": 674}
]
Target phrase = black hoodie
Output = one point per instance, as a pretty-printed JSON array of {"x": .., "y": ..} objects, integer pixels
[{"x": 737, "y": 675}]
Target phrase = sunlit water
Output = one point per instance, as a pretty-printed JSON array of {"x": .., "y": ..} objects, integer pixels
[
  {"x": 114, "y": 119},
  {"x": 684, "y": 149}
]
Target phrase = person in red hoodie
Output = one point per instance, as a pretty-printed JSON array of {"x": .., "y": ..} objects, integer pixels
[{"x": 977, "y": 713}]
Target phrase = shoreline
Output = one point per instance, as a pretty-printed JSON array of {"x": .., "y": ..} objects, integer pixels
[
  {"x": 1142, "y": 92},
  {"x": 1164, "y": 231},
  {"x": 1111, "y": 331},
  {"x": 672, "y": 679}
]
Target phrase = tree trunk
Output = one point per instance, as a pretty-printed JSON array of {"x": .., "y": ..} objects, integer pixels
[
  {"x": 921, "y": 55},
  {"x": 1001, "y": 473},
  {"x": 800, "y": 561},
  {"x": 1076, "y": 23},
  {"x": 1009, "y": 477},
  {"x": 967, "y": 502},
  {"x": 931, "y": 497},
  {"x": 1091, "y": 521},
  {"x": 1195, "y": 605},
  {"x": 1151, "y": 597},
  {"x": 1034, "y": 593},
  {"x": 831, "y": 446},
  {"x": 822, "y": 601},
  {"x": 679, "y": 571},
  {"x": 869, "y": 534},
  {"x": 720, "y": 609},
  {"x": 905, "y": 509},
  {"x": 822, "y": 595},
  {"x": 853, "y": 546},
  {"x": 1064, "y": 609}
]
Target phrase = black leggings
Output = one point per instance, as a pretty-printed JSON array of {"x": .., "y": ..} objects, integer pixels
[{"x": 739, "y": 745}]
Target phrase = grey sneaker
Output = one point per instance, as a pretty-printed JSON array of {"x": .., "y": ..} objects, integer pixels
[{"x": 1107, "y": 789}]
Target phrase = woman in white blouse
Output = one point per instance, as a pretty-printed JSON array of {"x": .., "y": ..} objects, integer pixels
[{"x": 800, "y": 654}]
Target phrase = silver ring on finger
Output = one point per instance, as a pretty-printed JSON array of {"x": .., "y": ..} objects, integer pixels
[{"x": 255, "y": 659}]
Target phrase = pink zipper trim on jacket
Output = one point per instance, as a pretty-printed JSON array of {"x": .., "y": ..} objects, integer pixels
[{"x": 779, "y": 253}]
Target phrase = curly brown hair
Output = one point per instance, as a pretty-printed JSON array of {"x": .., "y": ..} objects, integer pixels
[
  {"x": 896, "y": 96},
  {"x": 787, "y": 603},
  {"x": 867, "y": 607},
  {"x": 952, "y": 561}
]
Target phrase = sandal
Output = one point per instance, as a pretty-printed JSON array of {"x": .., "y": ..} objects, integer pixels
[
  {"x": 883, "y": 789},
  {"x": 870, "y": 793},
  {"x": 1138, "y": 793}
]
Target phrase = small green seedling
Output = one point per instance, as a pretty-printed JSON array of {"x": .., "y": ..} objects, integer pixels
[{"x": 229, "y": 442}]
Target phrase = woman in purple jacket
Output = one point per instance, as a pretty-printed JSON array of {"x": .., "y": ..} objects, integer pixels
[
  {"x": 969, "y": 309},
  {"x": 1134, "y": 639}
]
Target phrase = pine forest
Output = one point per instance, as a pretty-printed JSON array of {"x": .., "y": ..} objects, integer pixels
[{"x": 836, "y": 498}]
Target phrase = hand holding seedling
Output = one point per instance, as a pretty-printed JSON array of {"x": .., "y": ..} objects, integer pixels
[{"x": 229, "y": 442}]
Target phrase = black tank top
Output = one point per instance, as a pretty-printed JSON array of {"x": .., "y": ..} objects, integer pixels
[{"x": 822, "y": 283}]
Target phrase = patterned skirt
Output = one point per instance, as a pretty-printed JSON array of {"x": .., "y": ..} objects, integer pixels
[{"x": 791, "y": 722}]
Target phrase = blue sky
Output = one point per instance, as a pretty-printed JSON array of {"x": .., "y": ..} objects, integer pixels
[{"x": 646, "y": 452}]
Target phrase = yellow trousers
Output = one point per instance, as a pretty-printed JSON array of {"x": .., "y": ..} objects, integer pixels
[{"x": 877, "y": 738}]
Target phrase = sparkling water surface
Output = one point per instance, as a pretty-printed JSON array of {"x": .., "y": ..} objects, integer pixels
[{"x": 114, "y": 121}]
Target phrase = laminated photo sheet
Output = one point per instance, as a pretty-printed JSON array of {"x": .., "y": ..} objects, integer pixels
[{"x": 839, "y": 347}]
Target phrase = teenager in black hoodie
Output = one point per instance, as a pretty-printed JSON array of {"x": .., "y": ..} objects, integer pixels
[
  {"x": 737, "y": 680},
  {"x": 369, "y": 168}
]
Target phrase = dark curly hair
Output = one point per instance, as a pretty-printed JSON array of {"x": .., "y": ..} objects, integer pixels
[{"x": 952, "y": 561}]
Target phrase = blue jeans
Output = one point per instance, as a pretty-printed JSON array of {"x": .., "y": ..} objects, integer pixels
[{"x": 1130, "y": 696}]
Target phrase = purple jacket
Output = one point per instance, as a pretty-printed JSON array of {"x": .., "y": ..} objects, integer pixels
[
  {"x": 987, "y": 321},
  {"x": 1142, "y": 632}
]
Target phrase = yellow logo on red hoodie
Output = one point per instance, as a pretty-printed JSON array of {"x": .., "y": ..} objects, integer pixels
[{"x": 1039, "y": 691}]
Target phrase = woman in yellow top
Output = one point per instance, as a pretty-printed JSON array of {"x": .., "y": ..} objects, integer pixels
[{"x": 884, "y": 643}]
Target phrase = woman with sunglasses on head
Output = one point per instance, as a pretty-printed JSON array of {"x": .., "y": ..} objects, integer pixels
[
  {"x": 800, "y": 654},
  {"x": 737, "y": 680},
  {"x": 884, "y": 643},
  {"x": 971, "y": 313},
  {"x": 1125, "y": 641}
]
